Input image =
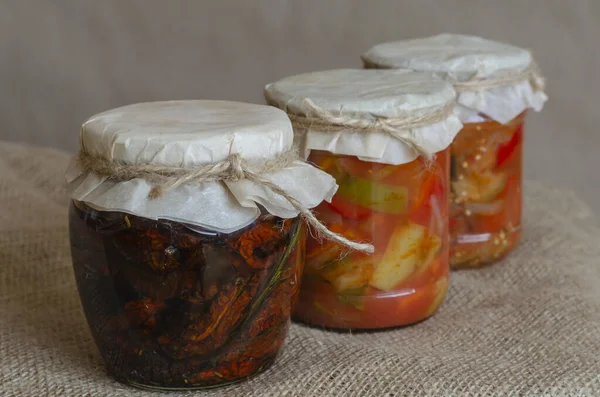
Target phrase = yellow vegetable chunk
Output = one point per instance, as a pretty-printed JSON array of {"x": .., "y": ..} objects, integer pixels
[
  {"x": 349, "y": 273},
  {"x": 482, "y": 188},
  {"x": 410, "y": 247}
]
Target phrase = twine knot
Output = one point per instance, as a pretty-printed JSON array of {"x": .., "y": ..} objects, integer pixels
[
  {"x": 234, "y": 168},
  {"x": 235, "y": 165}
]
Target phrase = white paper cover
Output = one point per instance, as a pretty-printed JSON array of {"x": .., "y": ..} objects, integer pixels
[
  {"x": 195, "y": 133},
  {"x": 461, "y": 58},
  {"x": 368, "y": 94}
]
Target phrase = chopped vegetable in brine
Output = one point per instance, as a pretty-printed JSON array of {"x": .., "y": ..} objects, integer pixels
[
  {"x": 403, "y": 211},
  {"x": 485, "y": 213}
]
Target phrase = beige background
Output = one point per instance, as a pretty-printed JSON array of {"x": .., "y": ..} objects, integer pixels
[{"x": 64, "y": 60}]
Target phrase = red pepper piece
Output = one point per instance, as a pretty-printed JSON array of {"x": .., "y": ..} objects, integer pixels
[
  {"x": 505, "y": 151},
  {"x": 432, "y": 186}
]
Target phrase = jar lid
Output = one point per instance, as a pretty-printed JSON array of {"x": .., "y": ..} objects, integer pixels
[
  {"x": 178, "y": 136},
  {"x": 380, "y": 116},
  {"x": 493, "y": 78}
]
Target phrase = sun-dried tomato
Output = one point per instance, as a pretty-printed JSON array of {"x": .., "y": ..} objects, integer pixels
[
  {"x": 173, "y": 307},
  {"x": 257, "y": 244}
]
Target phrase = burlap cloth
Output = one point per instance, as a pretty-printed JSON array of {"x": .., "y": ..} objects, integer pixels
[{"x": 529, "y": 326}]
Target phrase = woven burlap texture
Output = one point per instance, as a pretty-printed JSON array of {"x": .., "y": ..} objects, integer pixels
[{"x": 529, "y": 326}]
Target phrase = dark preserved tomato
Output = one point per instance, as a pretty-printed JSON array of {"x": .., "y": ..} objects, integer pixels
[{"x": 174, "y": 307}]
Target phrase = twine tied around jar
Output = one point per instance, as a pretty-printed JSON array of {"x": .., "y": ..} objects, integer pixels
[
  {"x": 234, "y": 168},
  {"x": 398, "y": 127},
  {"x": 531, "y": 74}
]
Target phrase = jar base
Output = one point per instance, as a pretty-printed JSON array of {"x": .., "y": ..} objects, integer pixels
[
  {"x": 149, "y": 387},
  {"x": 472, "y": 251},
  {"x": 354, "y": 330},
  {"x": 383, "y": 311}
]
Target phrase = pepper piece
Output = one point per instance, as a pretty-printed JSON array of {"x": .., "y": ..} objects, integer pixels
[{"x": 505, "y": 151}]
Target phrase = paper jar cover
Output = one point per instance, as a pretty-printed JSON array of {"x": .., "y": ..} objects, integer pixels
[{"x": 189, "y": 134}]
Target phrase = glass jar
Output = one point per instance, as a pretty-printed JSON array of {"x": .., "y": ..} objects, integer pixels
[
  {"x": 402, "y": 209},
  {"x": 486, "y": 179},
  {"x": 496, "y": 85},
  {"x": 385, "y": 137},
  {"x": 186, "y": 239},
  {"x": 172, "y": 306}
]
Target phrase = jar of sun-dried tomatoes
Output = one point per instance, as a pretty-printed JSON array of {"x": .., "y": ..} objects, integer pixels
[
  {"x": 187, "y": 260},
  {"x": 496, "y": 84},
  {"x": 385, "y": 138}
]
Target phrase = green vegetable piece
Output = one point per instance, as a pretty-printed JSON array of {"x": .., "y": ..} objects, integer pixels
[{"x": 376, "y": 196}]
